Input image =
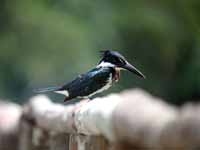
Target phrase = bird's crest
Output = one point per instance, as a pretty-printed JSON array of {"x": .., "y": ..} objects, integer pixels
[
  {"x": 110, "y": 53},
  {"x": 104, "y": 52}
]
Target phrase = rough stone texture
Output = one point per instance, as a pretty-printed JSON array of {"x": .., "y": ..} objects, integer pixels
[{"x": 130, "y": 120}]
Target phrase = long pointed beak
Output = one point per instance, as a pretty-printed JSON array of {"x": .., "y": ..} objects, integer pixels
[{"x": 132, "y": 69}]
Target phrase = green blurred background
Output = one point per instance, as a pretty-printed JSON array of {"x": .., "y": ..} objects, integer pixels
[{"x": 48, "y": 42}]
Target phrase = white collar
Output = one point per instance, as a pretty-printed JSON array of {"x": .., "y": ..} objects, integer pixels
[{"x": 105, "y": 64}]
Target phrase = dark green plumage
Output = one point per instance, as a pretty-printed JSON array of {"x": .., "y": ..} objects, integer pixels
[{"x": 87, "y": 84}]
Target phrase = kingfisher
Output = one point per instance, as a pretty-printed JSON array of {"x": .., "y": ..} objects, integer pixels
[{"x": 96, "y": 80}]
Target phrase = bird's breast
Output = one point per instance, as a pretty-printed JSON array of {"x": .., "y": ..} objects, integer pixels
[{"x": 106, "y": 86}]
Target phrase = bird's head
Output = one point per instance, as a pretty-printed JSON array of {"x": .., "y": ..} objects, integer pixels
[{"x": 116, "y": 60}]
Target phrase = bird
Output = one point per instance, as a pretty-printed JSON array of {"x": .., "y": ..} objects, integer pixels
[{"x": 97, "y": 80}]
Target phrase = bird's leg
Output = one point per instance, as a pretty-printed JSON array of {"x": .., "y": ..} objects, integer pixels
[
  {"x": 80, "y": 104},
  {"x": 84, "y": 101}
]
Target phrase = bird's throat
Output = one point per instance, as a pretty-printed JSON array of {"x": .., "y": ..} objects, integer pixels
[{"x": 117, "y": 75}]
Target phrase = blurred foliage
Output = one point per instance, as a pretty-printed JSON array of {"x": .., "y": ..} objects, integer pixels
[{"x": 48, "y": 42}]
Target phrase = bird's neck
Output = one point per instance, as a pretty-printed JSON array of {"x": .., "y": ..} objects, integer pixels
[
  {"x": 116, "y": 73},
  {"x": 116, "y": 70},
  {"x": 116, "y": 76}
]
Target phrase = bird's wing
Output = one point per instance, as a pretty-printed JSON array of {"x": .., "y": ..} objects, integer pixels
[{"x": 88, "y": 83}]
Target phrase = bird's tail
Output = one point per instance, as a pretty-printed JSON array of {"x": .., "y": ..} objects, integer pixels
[{"x": 48, "y": 89}]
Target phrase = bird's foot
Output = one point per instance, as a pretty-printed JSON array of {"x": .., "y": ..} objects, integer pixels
[{"x": 80, "y": 104}]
